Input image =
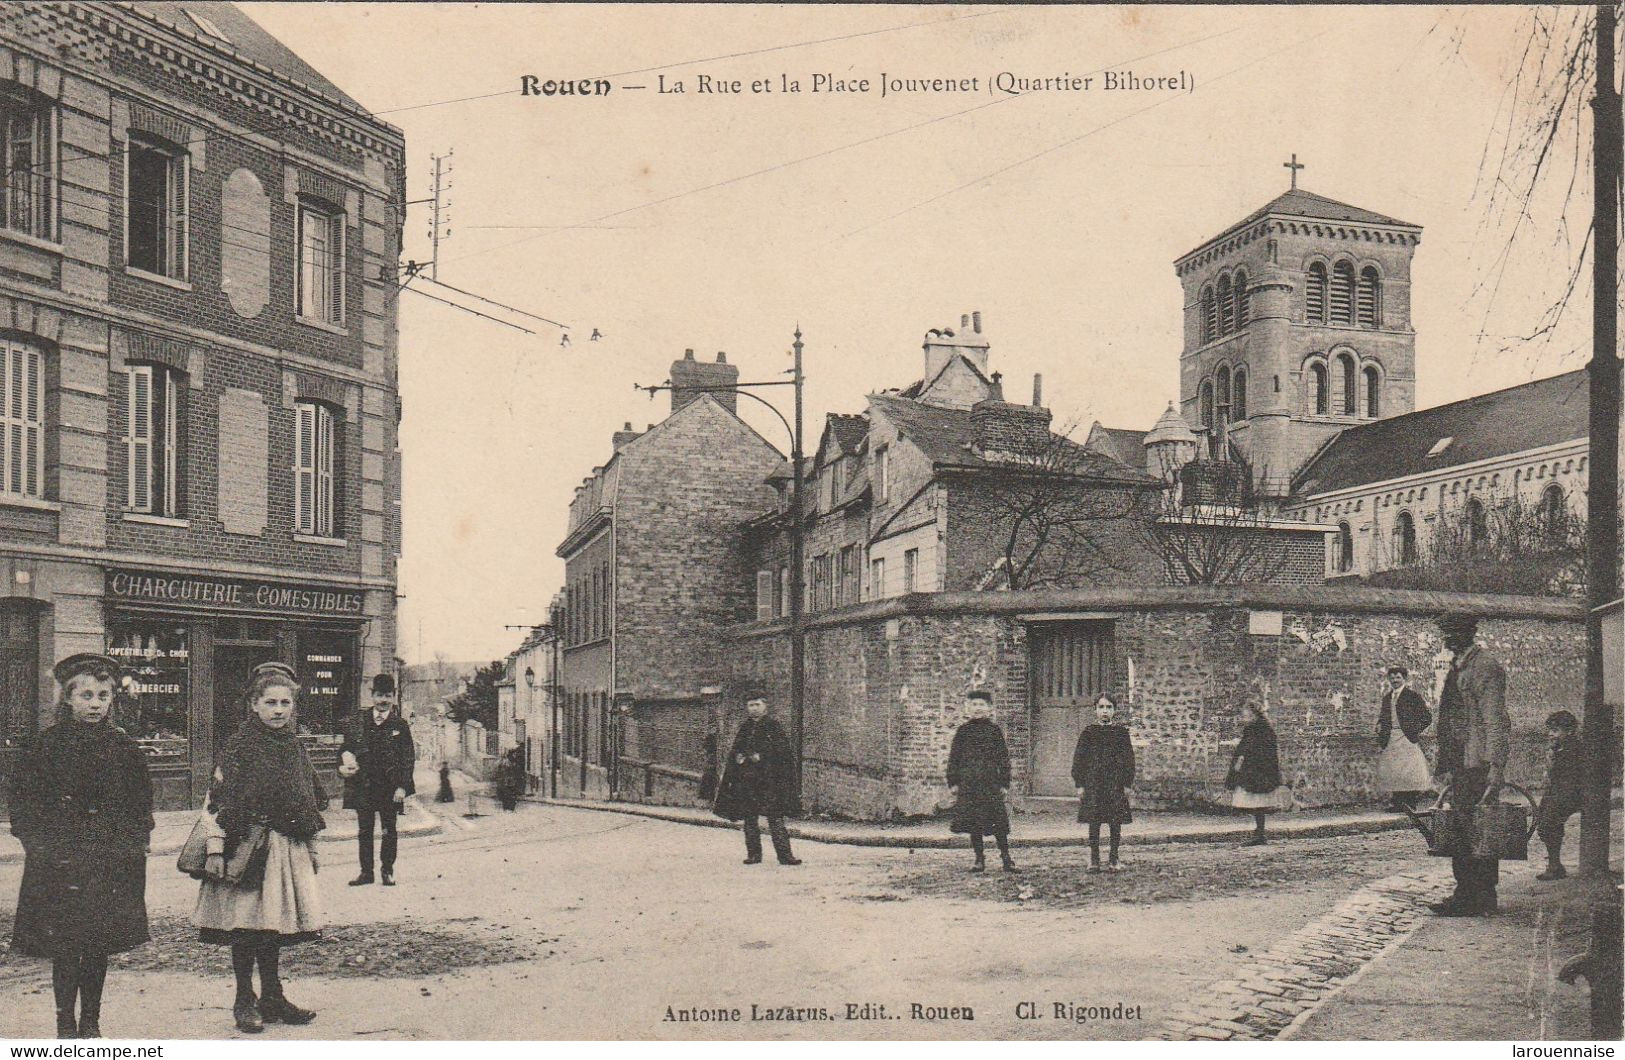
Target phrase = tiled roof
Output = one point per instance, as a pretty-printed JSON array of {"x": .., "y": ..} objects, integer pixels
[
  {"x": 244, "y": 37},
  {"x": 849, "y": 431},
  {"x": 946, "y": 437},
  {"x": 1300, "y": 203},
  {"x": 1545, "y": 412},
  {"x": 1125, "y": 445}
]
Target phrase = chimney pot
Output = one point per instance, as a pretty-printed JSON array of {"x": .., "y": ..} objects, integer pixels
[
  {"x": 1038, "y": 389},
  {"x": 976, "y": 321},
  {"x": 628, "y": 426},
  {"x": 964, "y": 320},
  {"x": 722, "y": 358},
  {"x": 688, "y": 355}
]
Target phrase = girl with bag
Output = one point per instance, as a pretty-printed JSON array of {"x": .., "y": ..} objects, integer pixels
[
  {"x": 1102, "y": 769},
  {"x": 81, "y": 803},
  {"x": 263, "y": 813},
  {"x": 1255, "y": 771}
]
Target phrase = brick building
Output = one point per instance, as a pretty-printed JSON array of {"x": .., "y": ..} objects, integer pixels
[
  {"x": 198, "y": 241},
  {"x": 655, "y": 570}
]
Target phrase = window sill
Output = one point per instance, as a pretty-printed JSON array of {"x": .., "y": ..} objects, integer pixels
[
  {"x": 37, "y": 242},
  {"x": 314, "y": 539},
  {"x": 157, "y": 520},
  {"x": 17, "y": 500},
  {"x": 154, "y": 277},
  {"x": 321, "y": 325}
]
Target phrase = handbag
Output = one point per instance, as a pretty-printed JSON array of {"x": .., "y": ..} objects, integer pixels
[{"x": 245, "y": 866}]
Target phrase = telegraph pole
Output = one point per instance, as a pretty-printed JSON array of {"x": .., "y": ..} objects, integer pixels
[
  {"x": 1602, "y": 495},
  {"x": 798, "y": 632},
  {"x": 440, "y": 211}
]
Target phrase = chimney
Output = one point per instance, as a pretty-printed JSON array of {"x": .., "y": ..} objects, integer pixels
[
  {"x": 624, "y": 435},
  {"x": 976, "y": 321},
  {"x": 943, "y": 344},
  {"x": 996, "y": 392},
  {"x": 690, "y": 379},
  {"x": 1003, "y": 428},
  {"x": 1038, "y": 390}
]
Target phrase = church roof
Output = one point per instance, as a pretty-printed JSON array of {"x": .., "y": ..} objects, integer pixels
[
  {"x": 224, "y": 27},
  {"x": 947, "y": 437},
  {"x": 1545, "y": 412},
  {"x": 1120, "y": 443},
  {"x": 1301, "y": 203}
]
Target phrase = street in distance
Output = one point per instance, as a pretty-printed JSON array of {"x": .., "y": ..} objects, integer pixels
[{"x": 817, "y": 1013}]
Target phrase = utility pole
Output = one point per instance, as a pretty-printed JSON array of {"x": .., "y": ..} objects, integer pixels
[
  {"x": 798, "y": 632},
  {"x": 1602, "y": 503},
  {"x": 440, "y": 211}
]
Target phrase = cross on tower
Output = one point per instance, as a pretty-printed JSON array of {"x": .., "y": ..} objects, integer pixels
[{"x": 1294, "y": 166}]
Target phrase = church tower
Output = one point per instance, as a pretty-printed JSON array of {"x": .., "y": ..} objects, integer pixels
[{"x": 1297, "y": 326}]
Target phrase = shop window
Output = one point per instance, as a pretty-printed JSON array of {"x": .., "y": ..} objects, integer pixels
[
  {"x": 28, "y": 166},
  {"x": 316, "y": 461},
  {"x": 155, "y": 208},
  {"x": 329, "y": 691},
  {"x": 158, "y": 656},
  {"x": 321, "y": 263},
  {"x": 152, "y": 439},
  {"x": 22, "y": 420}
]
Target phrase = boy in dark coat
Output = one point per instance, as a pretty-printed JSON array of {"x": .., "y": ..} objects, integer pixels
[
  {"x": 376, "y": 761},
  {"x": 979, "y": 777},
  {"x": 759, "y": 780},
  {"x": 1103, "y": 770},
  {"x": 1564, "y": 770}
]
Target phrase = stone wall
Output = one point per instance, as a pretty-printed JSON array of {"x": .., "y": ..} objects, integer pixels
[{"x": 885, "y": 682}]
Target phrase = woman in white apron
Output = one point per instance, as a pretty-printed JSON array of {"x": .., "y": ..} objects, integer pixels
[{"x": 1402, "y": 768}]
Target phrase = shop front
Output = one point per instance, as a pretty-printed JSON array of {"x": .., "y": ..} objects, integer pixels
[{"x": 191, "y": 643}]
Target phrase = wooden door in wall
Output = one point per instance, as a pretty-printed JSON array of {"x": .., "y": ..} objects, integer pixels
[
  {"x": 19, "y": 684},
  {"x": 1071, "y": 667}
]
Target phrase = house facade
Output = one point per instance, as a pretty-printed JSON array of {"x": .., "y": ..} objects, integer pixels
[{"x": 199, "y": 395}]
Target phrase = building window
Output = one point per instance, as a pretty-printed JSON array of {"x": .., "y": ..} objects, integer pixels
[
  {"x": 1345, "y": 368},
  {"x": 321, "y": 263},
  {"x": 1478, "y": 527},
  {"x": 606, "y": 614},
  {"x": 1238, "y": 402},
  {"x": 877, "y": 578},
  {"x": 1223, "y": 395},
  {"x": 1345, "y": 548},
  {"x": 1318, "y": 389},
  {"x": 1405, "y": 539},
  {"x": 1342, "y": 293},
  {"x": 783, "y": 602},
  {"x": 1554, "y": 513},
  {"x": 1241, "y": 300},
  {"x": 1373, "y": 392},
  {"x": 1314, "y": 294},
  {"x": 850, "y": 572},
  {"x": 764, "y": 595},
  {"x": 152, "y": 439},
  {"x": 1207, "y": 405},
  {"x": 315, "y": 463},
  {"x": 1369, "y": 307},
  {"x": 1210, "y": 316},
  {"x": 911, "y": 569},
  {"x": 28, "y": 168},
  {"x": 22, "y": 421},
  {"x": 155, "y": 221},
  {"x": 882, "y": 471},
  {"x": 1227, "y": 306}
]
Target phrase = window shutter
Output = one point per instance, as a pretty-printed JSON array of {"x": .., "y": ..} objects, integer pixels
[
  {"x": 784, "y": 591},
  {"x": 1315, "y": 294},
  {"x": 178, "y": 174},
  {"x": 335, "y": 270},
  {"x": 304, "y": 470},
  {"x": 764, "y": 595},
  {"x": 138, "y": 438},
  {"x": 1342, "y": 293},
  {"x": 170, "y": 425},
  {"x": 324, "y": 471},
  {"x": 1370, "y": 288},
  {"x": 33, "y": 421}
]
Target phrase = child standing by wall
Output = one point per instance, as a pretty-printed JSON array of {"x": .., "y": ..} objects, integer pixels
[
  {"x": 1102, "y": 769},
  {"x": 1565, "y": 767}
]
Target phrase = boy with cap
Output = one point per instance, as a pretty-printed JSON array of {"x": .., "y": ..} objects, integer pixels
[{"x": 376, "y": 759}]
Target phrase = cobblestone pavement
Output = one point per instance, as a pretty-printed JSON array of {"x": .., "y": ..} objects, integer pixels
[{"x": 1274, "y": 988}]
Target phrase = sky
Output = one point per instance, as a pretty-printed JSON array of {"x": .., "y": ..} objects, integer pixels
[{"x": 720, "y": 221}]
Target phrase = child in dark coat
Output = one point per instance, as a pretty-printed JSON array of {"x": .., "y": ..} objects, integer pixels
[
  {"x": 1564, "y": 770},
  {"x": 979, "y": 777},
  {"x": 1102, "y": 769},
  {"x": 1255, "y": 770}
]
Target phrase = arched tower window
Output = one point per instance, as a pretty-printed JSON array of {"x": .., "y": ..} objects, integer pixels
[
  {"x": 1318, "y": 390},
  {"x": 1345, "y": 369},
  {"x": 1314, "y": 294},
  {"x": 1210, "y": 316},
  {"x": 1369, "y": 300},
  {"x": 1227, "y": 306},
  {"x": 1405, "y": 539},
  {"x": 1207, "y": 405},
  {"x": 1241, "y": 299},
  {"x": 1373, "y": 392},
  {"x": 1342, "y": 297},
  {"x": 1345, "y": 548},
  {"x": 1223, "y": 390},
  {"x": 1238, "y": 403},
  {"x": 1478, "y": 528}
]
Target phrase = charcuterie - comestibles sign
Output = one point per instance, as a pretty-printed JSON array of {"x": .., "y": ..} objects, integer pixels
[{"x": 212, "y": 593}]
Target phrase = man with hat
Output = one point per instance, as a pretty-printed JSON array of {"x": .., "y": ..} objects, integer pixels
[
  {"x": 1474, "y": 738},
  {"x": 376, "y": 760},
  {"x": 759, "y": 780}
]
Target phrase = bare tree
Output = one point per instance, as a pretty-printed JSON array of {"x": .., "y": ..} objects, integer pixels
[
  {"x": 1212, "y": 530},
  {"x": 1498, "y": 543},
  {"x": 1057, "y": 514}
]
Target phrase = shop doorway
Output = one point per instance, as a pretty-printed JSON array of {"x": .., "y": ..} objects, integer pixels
[
  {"x": 238, "y": 648},
  {"x": 19, "y": 684}
]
